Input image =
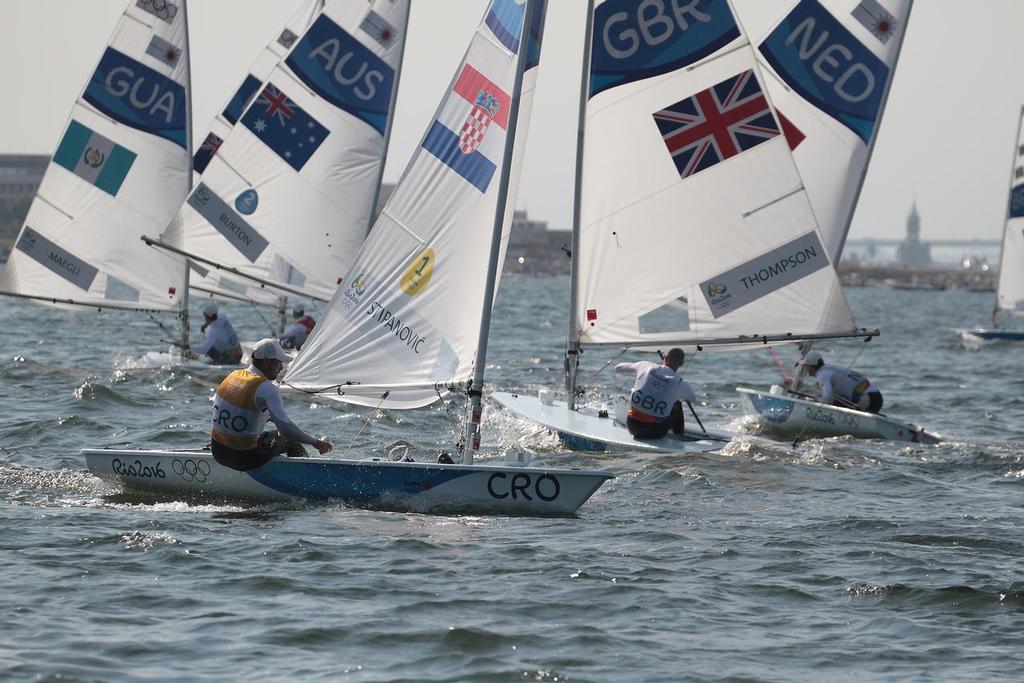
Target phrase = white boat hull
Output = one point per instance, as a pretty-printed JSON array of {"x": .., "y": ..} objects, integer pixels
[
  {"x": 782, "y": 415},
  {"x": 419, "y": 487},
  {"x": 585, "y": 429}
]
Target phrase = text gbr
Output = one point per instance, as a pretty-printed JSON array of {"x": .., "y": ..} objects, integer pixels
[{"x": 653, "y": 22}]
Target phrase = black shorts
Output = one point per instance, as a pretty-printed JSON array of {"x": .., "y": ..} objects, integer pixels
[
  {"x": 656, "y": 430},
  {"x": 270, "y": 445}
]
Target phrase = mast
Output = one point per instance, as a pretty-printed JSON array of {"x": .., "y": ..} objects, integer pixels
[
  {"x": 1009, "y": 208},
  {"x": 183, "y": 313},
  {"x": 391, "y": 122},
  {"x": 475, "y": 391},
  {"x": 572, "y": 357}
]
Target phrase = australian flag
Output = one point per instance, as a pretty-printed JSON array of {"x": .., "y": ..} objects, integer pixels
[
  {"x": 716, "y": 124},
  {"x": 207, "y": 150},
  {"x": 283, "y": 127}
]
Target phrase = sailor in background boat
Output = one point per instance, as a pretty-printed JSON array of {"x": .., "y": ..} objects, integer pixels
[
  {"x": 655, "y": 404},
  {"x": 246, "y": 400},
  {"x": 841, "y": 386},
  {"x": 221, "y": 343},
  {"x": 295, "y": 336}
]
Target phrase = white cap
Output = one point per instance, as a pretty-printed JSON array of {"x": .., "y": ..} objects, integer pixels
[
  {"x": 270, "y": 349},
  {"x": 298, "y": 310},
  {"x": 812, "y": 358},
  {"x": 210, "y": 310}
]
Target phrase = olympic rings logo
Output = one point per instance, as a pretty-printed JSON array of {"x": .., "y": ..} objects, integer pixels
[{"x": 191, "y": 470}]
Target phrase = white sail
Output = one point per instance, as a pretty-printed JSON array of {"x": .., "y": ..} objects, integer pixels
[
  {"x": 408, "y": 320},
  {"x": 276, "y": 50},
  {"x": 287, "y": 196},
  {"x": 694, "y": 223},
  {"x": 121, "y": 170},
  {"x": 1010, "y": 290},
  {"x": 828, "y": 66}
]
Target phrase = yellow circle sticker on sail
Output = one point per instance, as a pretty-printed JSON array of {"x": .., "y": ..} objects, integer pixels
[{"x": 417, "y": 276}]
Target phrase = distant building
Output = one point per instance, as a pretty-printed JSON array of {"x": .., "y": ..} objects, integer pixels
[
  {"x": 20, "y": 175},
  {"x": 532, "y": 248},
  {"x": 912, "y": 252}
]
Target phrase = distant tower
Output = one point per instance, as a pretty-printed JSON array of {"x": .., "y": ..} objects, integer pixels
[
  {"x": 914, "y": 224},
  {"x": 912, "y": 252}
]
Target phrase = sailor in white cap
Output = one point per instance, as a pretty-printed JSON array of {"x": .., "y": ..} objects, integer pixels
[
  {"x": 841, "y": 386},
  {"x": 295, "y": 336},
  {"x": 246, "y": 400},
  {"x": 655, "y": 402},
  {"x": 221, "y": 343}
]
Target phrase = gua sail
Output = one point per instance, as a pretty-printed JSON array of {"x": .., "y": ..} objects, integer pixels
[
  {"x": 694, "y": 224},
  {"x": 828, "y": 66},
  {"x": 287, "y": 196},
  {"x": 408, "y": 320},
  {"x": 1010, "y": 290},
  {"x": 122, "y": 168}
]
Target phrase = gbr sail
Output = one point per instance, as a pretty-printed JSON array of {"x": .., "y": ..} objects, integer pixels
[
  {"x": 828, "y": 67},
  {"x": 287, "y": 195},
  {"x": 1010, "y": 290},
  {"x": 694, "y": 223},
  {"x": 121, "y": 169},
  {"x": 408, "y": 319}
]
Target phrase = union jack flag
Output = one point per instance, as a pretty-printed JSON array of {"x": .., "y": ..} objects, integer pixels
[{"x": 716, "y": 124}]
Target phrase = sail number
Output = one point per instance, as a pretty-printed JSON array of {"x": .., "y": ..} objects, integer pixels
[
  {"x": 417, "y": 276},
  {"x": 522, "y": 485}
]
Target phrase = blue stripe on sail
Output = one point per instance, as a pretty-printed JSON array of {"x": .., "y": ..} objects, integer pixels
[
  {"x": 72, "y": 146},
  {"x": 506, "y": 21},
  {"x": 474, "y": 167}
]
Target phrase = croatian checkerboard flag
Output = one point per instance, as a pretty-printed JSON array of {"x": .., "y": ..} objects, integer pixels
[
  {"x": 716, "y": 124},
  {"x": 469, "y": 133}
]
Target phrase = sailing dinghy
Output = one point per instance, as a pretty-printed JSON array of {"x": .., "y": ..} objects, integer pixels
[
  {"x": 413, "y": 318},
  {"x": 692, "y": 226},
  {"x": 122, "y": 168},
  {"x": 1010, "y": 288},
  {"x": 831, "y": 122}
]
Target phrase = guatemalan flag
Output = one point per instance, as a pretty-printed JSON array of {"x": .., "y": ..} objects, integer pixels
[{"x": 469, "y": 133}]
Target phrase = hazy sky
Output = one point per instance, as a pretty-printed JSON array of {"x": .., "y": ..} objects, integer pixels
[{"x": 946, "y": 139}]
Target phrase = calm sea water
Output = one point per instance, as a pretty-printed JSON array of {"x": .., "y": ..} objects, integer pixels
[{"x": 834, "y": 560}]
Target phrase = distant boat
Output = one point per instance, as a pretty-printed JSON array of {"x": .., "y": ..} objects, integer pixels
[{"x": 1010, "y": 288}]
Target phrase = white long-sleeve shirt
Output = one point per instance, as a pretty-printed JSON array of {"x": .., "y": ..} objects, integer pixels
[
  {"x": 220, "y": 337},
  {"x": 839, "y": 381},
  {"x": 268, "y": 401},
  {"x": 656, "y": 389}
]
